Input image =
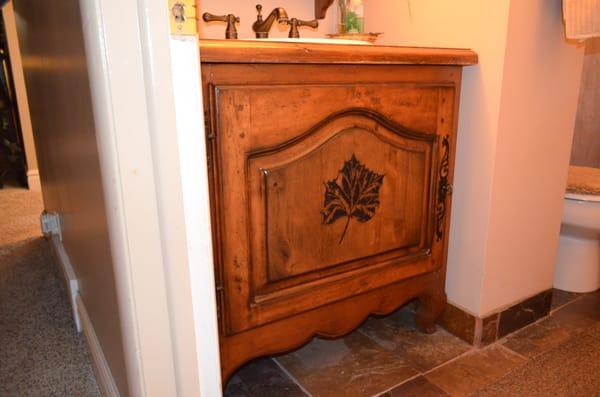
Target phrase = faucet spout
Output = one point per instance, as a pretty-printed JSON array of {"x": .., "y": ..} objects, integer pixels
[{"x": 261, "y": 27}]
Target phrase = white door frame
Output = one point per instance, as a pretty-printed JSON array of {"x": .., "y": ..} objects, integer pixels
[{"x": 147, "y": 103}]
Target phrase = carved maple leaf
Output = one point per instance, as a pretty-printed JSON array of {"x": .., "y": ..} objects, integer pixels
[{"x": 354, "y": 193}]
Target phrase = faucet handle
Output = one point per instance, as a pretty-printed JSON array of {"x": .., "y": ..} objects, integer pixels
[
  {"x": 231, "y": 32},
  {"x": 295, "y": 23},
  {"x": 259, "y": 11}
]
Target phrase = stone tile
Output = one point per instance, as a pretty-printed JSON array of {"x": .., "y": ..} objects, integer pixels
[
  {"x": 349, "y": 367},
  {"x": 459, "y": 323},
  {"x": 524, "y": 313},
  {"x": 489, "y": 329},
  {"x": 465, "y": 375},
  {"x": 398, "y": 333},
  {"x": 236, "y": 388},
  {"x": 418, "y": 387},
  {"x": 561, "y": 298},
  {"x": 536, "y": 339},
  {"x": 262, "y": 377},
  {"x": 589, "y": 305},
  {"x": 576, "y": 316}
]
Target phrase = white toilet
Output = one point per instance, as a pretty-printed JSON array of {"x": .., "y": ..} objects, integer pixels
[{"x": 578, "y": 260}]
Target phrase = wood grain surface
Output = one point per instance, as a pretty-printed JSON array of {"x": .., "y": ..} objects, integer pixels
[
  {"x": 378, "y": 136},
  {"x": 256, "y": 51}
]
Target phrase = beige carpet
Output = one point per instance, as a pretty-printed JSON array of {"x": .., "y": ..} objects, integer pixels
[
  {"x": 572, "y": 369},
  {"x": 41, "y": 353},
  {"x": 20, "y": 212}
]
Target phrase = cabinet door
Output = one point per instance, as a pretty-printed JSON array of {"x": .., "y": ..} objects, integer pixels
[{"x": 324, "y": 190}]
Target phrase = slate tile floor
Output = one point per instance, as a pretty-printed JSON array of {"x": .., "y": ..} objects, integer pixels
[{"x": 389, "y": 357}]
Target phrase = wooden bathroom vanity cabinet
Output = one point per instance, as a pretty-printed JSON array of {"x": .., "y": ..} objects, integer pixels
[{"x": 331, "y": 173}]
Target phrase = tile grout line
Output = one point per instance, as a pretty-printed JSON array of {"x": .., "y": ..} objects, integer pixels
[
  {"x": 552, "y": 311},
  {"x": 526, "y": 359},
  {"x": 292, "y": 377},
  {"x": 421, "y": 373},
  {"x": 542, "y": 319},
  {"x": 511, "y": 370},
  {"x": 514, "y": 352},
  {"x": 538, "y": 321},
  {"x": 381, "y": 393},
  {"x": 472, "y": 349}
]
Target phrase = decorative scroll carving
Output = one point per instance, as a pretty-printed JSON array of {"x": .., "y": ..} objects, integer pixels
[
  {"x": 444, "y": 188},
  {"x": 355, "y": 196}
]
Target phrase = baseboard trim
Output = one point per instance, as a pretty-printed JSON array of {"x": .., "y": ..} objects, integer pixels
[
  {"x": 33, "y": 181},
  {"x": 104, "y": 377},
  {"x": 480, "y": 332},
  {"x": 68, "y": 274}
]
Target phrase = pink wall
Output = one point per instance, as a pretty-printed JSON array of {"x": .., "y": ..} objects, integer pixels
[
  {"x": 481, "y": 26},
  {"x": 516, "y": 123},
  {"x": 537, "y": 118}
]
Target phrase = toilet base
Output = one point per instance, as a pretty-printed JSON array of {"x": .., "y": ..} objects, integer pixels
[{"x": 577, "y": 265}]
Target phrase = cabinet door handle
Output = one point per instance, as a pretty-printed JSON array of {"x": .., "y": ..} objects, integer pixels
[
  {"x": 444, "y": 189},
  {"x": 447, "y": 189}
]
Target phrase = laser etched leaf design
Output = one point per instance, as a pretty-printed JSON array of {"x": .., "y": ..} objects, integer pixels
[{"x": 354, "y": 193}]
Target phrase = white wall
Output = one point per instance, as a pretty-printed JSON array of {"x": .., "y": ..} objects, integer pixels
[
  {"x": 100, "y": 83},
  {"x": 16, "y": 63},
  {"x": 153, "y": 162},
  {"x": 51, "y": 40}
]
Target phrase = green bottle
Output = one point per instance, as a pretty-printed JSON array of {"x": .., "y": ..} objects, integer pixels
[{"x": 351, "y": 16}]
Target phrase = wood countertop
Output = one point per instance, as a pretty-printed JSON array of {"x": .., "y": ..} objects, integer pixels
[{"x": 250, "y": 51}]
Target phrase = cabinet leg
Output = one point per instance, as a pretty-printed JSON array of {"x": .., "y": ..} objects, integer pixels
[{"x": 431, "y": 307}]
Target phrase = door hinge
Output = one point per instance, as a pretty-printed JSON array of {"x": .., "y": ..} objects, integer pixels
[
  {"x": 209, "y": 137},
  {"x": 207, "y": 127},
  {"x": 182, "y": 17},
  {"x": 219, "y": 289},
  {"x": 218, "y": 312}
]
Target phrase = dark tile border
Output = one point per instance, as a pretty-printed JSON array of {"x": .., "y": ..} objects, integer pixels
[
  {"x": 561, "y": 298},
  {"x": 524, "y": 313},
  {"x": 483, "y": 331},
  {"x": 459, "y": 323},
  {"x": 489, "y": 329}
]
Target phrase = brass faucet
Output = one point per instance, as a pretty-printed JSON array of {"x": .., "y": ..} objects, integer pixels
[
  {"x": 261, "y": 27},
  {"x": 231, "y": 32},
  {"x": 295, "y": 22}
]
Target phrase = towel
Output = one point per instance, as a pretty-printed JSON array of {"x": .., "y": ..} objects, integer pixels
[{"x": 582, "y": 18}]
